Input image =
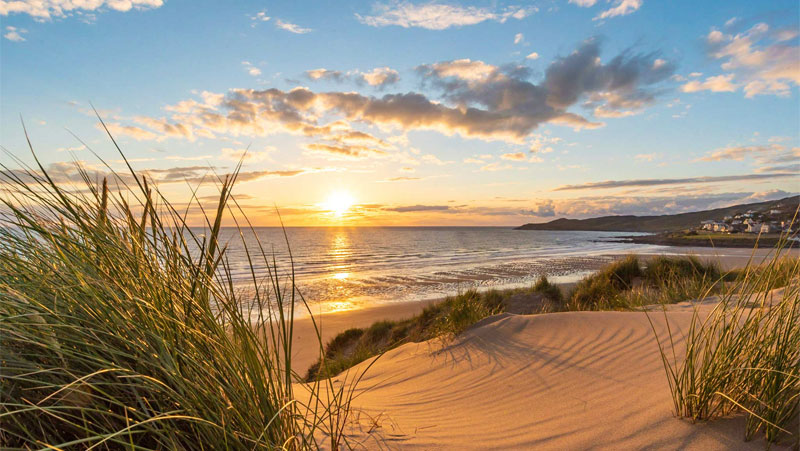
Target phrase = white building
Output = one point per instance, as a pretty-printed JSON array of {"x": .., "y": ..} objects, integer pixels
[
  {"x": 769, "y": 228},
  {"x": 722, "y": 227},
  {"x": 753, "y": 227}
]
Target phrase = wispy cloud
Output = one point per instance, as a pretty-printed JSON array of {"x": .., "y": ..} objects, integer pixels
[
  {"x": 676, "y": 181},
  {"x": 246, "y": 155},
  {"x": 438, "y": 16},
  {"x": 47, "y": 9},
  {"x": 69, "y": 173},
  {"x": 290, "y": 27},
  {"x": 260, "y": 16},
  {"x": 416, "y": 208},
  {"x": 252, "y": 70},
  {"x": 767, "y": 157},
  {"x": 620, "y": 8},
  {"x": 351, "y": 151},
  {"x": 14, "y": 34},
  {"x": 757, "y": 61},
  {"x": 402, "y": 179}
]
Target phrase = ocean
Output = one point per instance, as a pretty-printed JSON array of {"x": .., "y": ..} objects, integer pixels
[{"x": 353, "y": 267}]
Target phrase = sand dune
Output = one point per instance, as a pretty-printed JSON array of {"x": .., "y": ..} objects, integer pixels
[{"x": 575, "y": 380}]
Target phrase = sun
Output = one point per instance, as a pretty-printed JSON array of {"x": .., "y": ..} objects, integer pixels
[{"x": 338, "y": 202}]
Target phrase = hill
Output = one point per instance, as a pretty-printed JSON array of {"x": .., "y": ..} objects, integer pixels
[{"x": 664, "y": 223}]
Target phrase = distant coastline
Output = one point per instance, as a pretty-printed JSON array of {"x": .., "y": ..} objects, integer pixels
[{"x": 783, "y": 209}]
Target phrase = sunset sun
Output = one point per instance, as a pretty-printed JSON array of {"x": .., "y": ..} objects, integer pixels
[{"x": 338, "y": 202}]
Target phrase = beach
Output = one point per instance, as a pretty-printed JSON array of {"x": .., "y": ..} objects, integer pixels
[
  {"x": 306, "y": 343},
  {"x": 566, "y": 380},
  {"x": 574, "y": 380}
]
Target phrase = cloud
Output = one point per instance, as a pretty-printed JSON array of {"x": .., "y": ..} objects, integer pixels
[
  {"x": 131, "y": 131},
  {"x": 653, "y": 182},
  {"x": 378, "y": 77},
  {"x": 433, "y": 159},
  {"x": 647, "y": 156},
  {"x": 491, "y": 167},
  {"x": 518, "y": 38},
  {"x": 657, "y": 205},
  {"x": 353, "y": 151},
  {"x": 790, "y": 167},
  {"x": 15, "y": 34},
  {"x": 381, "y": 76},
  {"x": 718, "y": 83},
  {"x": 248, "y": 156},
  {"x": 463, "y": 69},
  {"x": 758, "y": 62},
  {"x": 583, "y": 3},
  {"x": 478, "y": 100},
  {"x": 293, "y": 28},
  {"x": 769, "y": 158},
  {"x": 261, "y": 16},
  {"x": 47, "y": 9},
  {"x": 532, "y": 56},
  {"x": 402, "y": 179},
  {"x": 252, "y": 70},
  {"x": 617, "y": 88},
  {"x": 417, "y": 208},
  {"x": 544, "y": 209},
  {"x": 437, "y": 16},
  {"x": 518, "y": 156},
  {"x": 621, "y": 8},
  {"x": 740, "y": 152},
  {"x": 71, "y": 173},
  {"x": 325, "y": 74}
]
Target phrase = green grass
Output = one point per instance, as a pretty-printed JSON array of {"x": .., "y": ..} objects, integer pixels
[
  {"x": 120, "y": 327},
  {"x": 444, "y": 319},
  {"x": 745, "y": 355},
  {"x": 600, "y": 290},
  {"x": 630, "y": 283}
]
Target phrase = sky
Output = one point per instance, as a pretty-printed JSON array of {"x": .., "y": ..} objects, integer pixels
[{"x": 413, "y": 112}]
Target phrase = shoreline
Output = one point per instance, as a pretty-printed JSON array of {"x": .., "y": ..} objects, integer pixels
[
  {"x": 729, "y": 242},
  {"x": 306, "y": 344}
]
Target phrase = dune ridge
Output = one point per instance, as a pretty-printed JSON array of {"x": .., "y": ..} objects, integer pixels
[{"x": 572, "y": 380}]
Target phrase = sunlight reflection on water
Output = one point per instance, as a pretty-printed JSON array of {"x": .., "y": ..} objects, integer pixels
[{"x": 346, "y": 268}]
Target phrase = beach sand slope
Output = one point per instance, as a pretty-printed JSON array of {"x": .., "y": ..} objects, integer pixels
[{"x": 575, "y": 380}]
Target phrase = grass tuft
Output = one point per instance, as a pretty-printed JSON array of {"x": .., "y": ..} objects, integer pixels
[
  {"x": 120, "y": 326},
  {"x": 744, "y": 355},
  {"x": 600, "y": 290}
]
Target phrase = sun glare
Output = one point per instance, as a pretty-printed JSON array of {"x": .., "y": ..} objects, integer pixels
[{"x": 338, "y": 202}]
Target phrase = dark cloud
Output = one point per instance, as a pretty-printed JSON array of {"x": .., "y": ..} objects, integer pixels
[
  {"x": 624, "y": 83},
  {"x": 480, "y": 100}
]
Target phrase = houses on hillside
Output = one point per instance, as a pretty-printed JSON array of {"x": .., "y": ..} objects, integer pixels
[{"x": 750, "y": 222}]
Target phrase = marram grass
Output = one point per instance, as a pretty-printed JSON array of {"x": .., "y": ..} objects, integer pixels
[
  {"x": 744, "y": 355},
  {"x": 120, "y": 327}
]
